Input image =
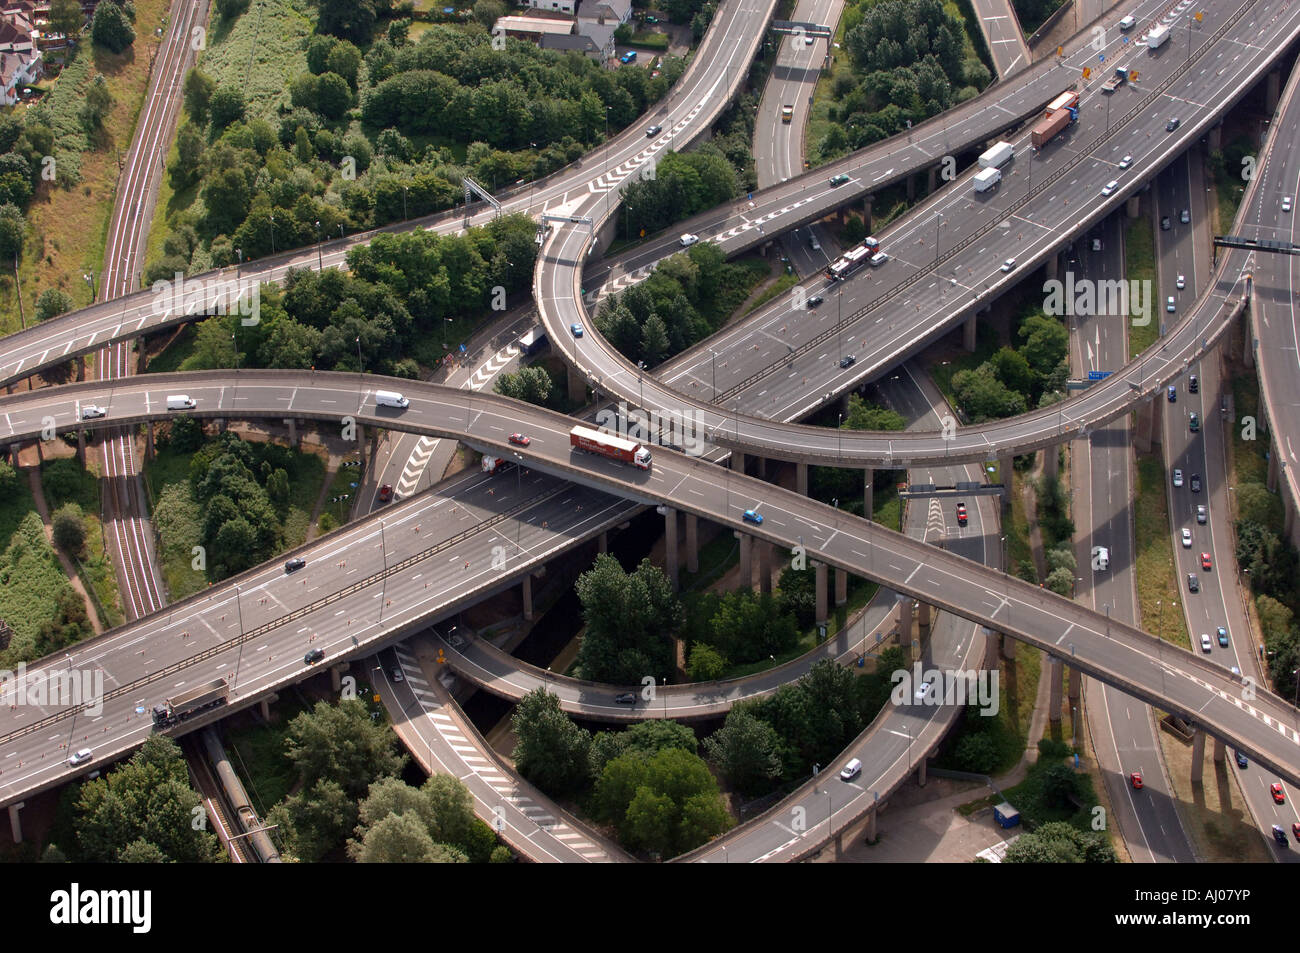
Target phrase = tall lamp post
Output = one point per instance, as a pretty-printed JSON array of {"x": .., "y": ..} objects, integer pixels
[{"x": 320, "y": 261}]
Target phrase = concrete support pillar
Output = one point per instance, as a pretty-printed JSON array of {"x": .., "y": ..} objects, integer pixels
[
  {"x": 737, "y": 461},
  {"x": 292, "y": 424},
  {"x": 527, "y": 591},
  {"x": 866, "y": 212},
  {"x": 15, "y": 824},
  {"x": 1273, "y": 92},
  {"x": 911, "y": 188},
  {"x": 1157, "y": 418},
  {"x": 1288, "y": 520},
  {"x": 373, "y": 450},
  {"x": 1054, "y": 685},
  {"x": 764, "y": 566},
  {"x": 1247, "y": 342},
  {"x": 670, "y": 546},
  {"x": 823, "y": 611},
  {"x": 746, "y": 560},
  {"x": 1272, "y": 468},
  {"x": 801, "y": 479},
  {"x": 968, "y": 334},
  {"x": 841, "y": 587},
  {"x": 1198, "y": 756},
  {"x": 81, "y": 446},
  {"x": 692, "y": 543},
  {"x": 1052, "y": 266},
  {"x": 1133, "y": 207},
  {"x": 1051, "y": 462},
  {"x": 869, "y": 832},
  {"x": 602, "y": 543},
  {"x": 1220, "y": 751},
  {"x": 868, "y": 492},
  {"x": 923, "y": 618},
  {"x": 905, "y": 628},
  {"x": 336, "y": 677},
  {"x": 921, "y": 772},
  {"x": 760, "y": 467},
  {"x": 577, "y": 386},
  {"x": 148, "y": 442},
  {"x": 220, "y": 423},
  {"x": 1006, "y": 473},
  {"x": 931, "y": 178},
  {"x": 1076, "y": 685},
  {"x": 1008, "y": 647},
  {"x": 81, "y": 368},
  {"x": 1215, "y": 138},
  {"x": 265, "y": 705},
  {"x": 1142, "y": 429}
]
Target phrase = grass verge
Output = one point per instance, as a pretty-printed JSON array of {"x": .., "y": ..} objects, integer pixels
[
  {"x": 1156, "y": 572},
  {"x": 1140, "y": 265}
]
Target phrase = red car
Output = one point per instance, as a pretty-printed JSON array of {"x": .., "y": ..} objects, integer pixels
[
  {"x": 520, "y": 439},
  {"x": 385, "y": 493},
  {"x": 961, "y": 514},
  {"x": 1136, "y": 780},
  {"x": 1295, "y": 831},
  {"x": 1206, "y": 563},
  {"x": 1279, "y": 796}
]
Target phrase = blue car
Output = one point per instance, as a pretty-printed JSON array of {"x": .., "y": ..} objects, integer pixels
[
  {"x": 1223, "y": 637},
  {"x": 628, "y": 57},
  {"x": 1241, "y": 759},
  {"x": 752, "y": 517},
  {"x": 576, "y": 328},
  {"x": 1173, "y": 393}
]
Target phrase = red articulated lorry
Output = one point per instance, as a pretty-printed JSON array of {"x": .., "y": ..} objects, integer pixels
[{"x": 609, "y": 445}]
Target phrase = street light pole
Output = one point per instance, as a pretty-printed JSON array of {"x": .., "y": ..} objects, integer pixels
[{"x": 320, "y": 262}]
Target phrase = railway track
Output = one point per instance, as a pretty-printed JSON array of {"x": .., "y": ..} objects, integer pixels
[{"x": 125, "y": 512}]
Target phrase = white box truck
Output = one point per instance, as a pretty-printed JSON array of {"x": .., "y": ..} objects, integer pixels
[
  {"x": 180, "y": 402},
  {"x": 1156, "y": 38},
  {"x": 997, "y": 156},
  {"x": 390, "y": 398},
  {"x": 987, "y": 179}
]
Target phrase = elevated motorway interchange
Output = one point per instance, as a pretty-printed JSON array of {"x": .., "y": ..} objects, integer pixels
[{"x": 389, "y": 591}]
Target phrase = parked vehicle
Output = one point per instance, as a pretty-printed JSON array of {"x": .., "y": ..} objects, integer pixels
[
  {"x": 1118, "y": 79},
  {"x": 1157, "y": 37}
]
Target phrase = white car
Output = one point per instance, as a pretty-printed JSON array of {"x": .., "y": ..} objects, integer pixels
[
  {"x": 687, "y": 240},
  {"x": 91, "y": 411},
  {"x": 1187, "y": 538},
  {"x": 1205, "y": 642},
  {"x": 1181, "y": 283},
  {"x": 1169, "y": 304},
  {"x": 1178, "y": 478},
  {"x": 923, "y": 691},
  {"x": 1125, "y": 162},
  {"x": 1008, "y": 265},
  {"x": 1286, "y": 204},
  {"x": 80, "y": 757},
  {"x": 1111, "y": 187}
]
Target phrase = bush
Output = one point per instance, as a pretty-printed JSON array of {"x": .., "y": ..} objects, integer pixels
[
  {"x": 69, "y": 529},
  {"x": 111, "y": 29}
]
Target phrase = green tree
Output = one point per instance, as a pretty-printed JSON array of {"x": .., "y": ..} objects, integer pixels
[
  {"x": 400, "y": 839},
  {"x": 1061, "y": 557},
  {"x": 314, "y": 822},
  {"x": 865, "y": 416},
  {"x": 977, "y": 753},
  {"x": 145, "y": 800},
  {"x": 229, "y": 9},
  {"x": 531, "y": 384},
  {"x": 1255, "y": 504},
  {"x": 52, "y": 303},
  {"x": 744, "y": 751},
  {"x": 226, "y": 106},
  {"x": 69, "y": 529},
  {"x": 110, "y": 28},
  {"x": 1061, "y": 581},
  {"x": 1046, "y": 342},
  {"x": 13, "y": 229},
  {"x": 1275, "y": 619},
  {"x": 197, "y": 91},
  {"x": 487, "y": 12},
  {"x": 705, "y": 664},
  {"x": 350, "y": 19},
  {"x": 340, "y": 743},
  {"x": 66, "y": 17},
  {"x": 552, "y": 751},
  {"x": 984, "y": 397},
  {"x": 631, "y": 619},
  {"x": 1059, "y": 843}
]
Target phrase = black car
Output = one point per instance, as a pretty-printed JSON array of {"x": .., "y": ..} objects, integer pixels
[
  {"x": 1193, "y": 385},
  {"x": 293, "y": 565},
  {"x": 848, "y": 360},
  {"x": 653, "y": 131},
  {"x": 1196, "y": 483},
  {"x": 314, "y": 656},
  {"x": 1165, "y": 224},
  {"x": 1171, "y": 125},
  {"x": 627, "y": 698},
  {"x": 1193, "y": 584},
  {"x": 1279, "y": 835},
  {"x": 815, "y": 300}
]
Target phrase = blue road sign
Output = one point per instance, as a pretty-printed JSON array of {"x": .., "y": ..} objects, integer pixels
[{"x": 1099, "y": 375}]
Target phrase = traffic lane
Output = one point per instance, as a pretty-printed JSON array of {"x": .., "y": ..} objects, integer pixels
[{"x": 852, "y": 544}]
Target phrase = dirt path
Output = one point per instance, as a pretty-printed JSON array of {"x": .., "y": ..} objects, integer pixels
[
  {"x": 331, "y": 467},
  {"x": 43, "y": 508}
]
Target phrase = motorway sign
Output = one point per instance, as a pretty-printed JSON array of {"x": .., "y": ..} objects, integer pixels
[{"x": 1099, "y": 375}]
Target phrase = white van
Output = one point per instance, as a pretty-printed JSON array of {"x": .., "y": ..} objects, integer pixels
[
  {"x": 1102, "y": 561},
  {"x": 390, "y": 398},
  {"x": 851, "y": 770},
  {"x": 180, "y": 402},
  {"x": 1128, "y": 23}
]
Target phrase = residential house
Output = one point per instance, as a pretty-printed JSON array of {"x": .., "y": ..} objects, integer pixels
[
  {"x": 616, "y": 12},
  {"x": 554, "y": 6}
]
